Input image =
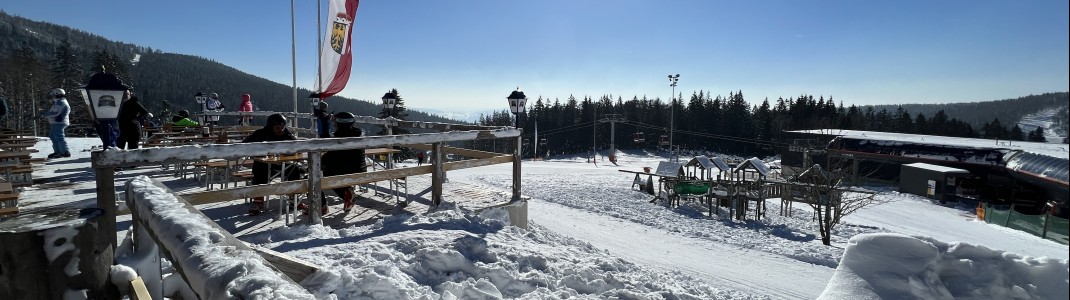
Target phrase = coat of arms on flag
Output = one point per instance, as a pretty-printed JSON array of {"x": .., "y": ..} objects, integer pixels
[
  {"x": 338, "y": 33},
  {"x": 336, "y": 56}
]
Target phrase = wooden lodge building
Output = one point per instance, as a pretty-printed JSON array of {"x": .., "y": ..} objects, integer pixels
[{"x": 1033, "y": 176}]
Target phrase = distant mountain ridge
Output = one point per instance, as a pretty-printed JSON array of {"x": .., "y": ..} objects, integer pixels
[
  {"x": 165, "y": 81},
  {"x": 1008, "y": 111}
]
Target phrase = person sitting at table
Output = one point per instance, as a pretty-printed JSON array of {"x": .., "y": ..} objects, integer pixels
[
  {"x": 182, "y": 119},
  {"x": 274, "y": 130},
  {"x": 341, "y": 162}
]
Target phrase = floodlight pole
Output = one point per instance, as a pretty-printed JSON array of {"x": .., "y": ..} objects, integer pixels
[{"x": 672, "y": 112}]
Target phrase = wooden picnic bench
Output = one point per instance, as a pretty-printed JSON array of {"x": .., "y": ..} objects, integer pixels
[{"x": 9, "y": 200}]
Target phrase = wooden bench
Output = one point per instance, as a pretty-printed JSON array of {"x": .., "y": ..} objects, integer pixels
[{"x": 9, "y": 199}]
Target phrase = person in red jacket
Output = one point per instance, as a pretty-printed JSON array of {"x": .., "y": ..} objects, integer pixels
[{"x": 245, "y": 106}]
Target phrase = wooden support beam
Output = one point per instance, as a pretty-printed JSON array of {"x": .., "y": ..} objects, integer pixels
[
  {"x": 330, "y": 182},
  {"x": 293, "y": 267},
  {"x": 138, "y": 291},
  {"x": 458, "y": 151}
]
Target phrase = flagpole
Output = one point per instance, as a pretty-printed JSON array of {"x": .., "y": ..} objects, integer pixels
[
  {"x": 319, "y": 48},
  {"x": 293, "y": 57}
]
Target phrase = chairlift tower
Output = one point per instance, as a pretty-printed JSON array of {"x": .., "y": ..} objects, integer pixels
[{"x": 612, "y": 119}]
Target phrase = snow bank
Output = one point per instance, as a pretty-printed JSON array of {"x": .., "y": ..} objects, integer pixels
[
  {"x": 449, "y": 254},
  {"x": 895, "y": 266},
  {"x": 210, "y": 262}
]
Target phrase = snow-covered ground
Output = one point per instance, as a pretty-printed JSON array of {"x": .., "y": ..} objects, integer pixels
[
  {"x": 1044, "y": 119},
  {"x": 592, "y": 236}
]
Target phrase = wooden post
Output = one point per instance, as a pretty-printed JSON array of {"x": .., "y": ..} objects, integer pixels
[
  {"x": 46, "y": 254},
  {"x": 106, "y": 198},
  {"x": 438, "y": 174},
  {"x": 516, "y": 169},
  {"x": 314, "y": 176}
]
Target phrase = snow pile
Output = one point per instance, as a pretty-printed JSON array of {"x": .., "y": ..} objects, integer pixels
[
  {"x": 895, "y": 266},
  {"x": 211, "y": 264},
  {"x": 451, "y": 255}
]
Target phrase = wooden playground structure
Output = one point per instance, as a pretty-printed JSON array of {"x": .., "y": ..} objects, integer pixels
[{"x": 738, "y": 187}]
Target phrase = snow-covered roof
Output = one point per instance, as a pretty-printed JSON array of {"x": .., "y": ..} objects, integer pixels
[
  {"x": 937, "y": 168},
  {"x": 702, "y": 162},
  {"x": 721, "y": 164},
  {"x": 753, "y": 163},
  {"x": 668, "y": 168},
  {"x": 1054, "y": 150}
]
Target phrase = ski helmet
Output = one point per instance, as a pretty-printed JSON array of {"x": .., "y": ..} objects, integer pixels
[{"x": 344, "y": 118}]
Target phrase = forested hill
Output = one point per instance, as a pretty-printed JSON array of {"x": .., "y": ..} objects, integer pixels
[
  {"x": 977, "y": 114},
  {"x": 37, "y": 56}
]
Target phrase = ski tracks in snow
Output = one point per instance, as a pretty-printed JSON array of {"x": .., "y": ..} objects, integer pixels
[{"x": 720, "y": 265}]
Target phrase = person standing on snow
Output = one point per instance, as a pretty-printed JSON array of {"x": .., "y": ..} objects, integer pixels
[
  {"x": 213, "y": 105},
  {"x": 245, "y": 106},
  {"x": 58, "y": 118},
  {"x": 323, "y": 119},
  {"x": 131, "y": 117}
]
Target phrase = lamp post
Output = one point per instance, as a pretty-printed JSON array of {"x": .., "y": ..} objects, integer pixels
[
  {"x": 103, "y": 95},
  {"x": 517, "y": 104},
  {"x": 201, "y": 99},
  {"x": 672, "y": 112},
  {"x": 389, "y": 101}
]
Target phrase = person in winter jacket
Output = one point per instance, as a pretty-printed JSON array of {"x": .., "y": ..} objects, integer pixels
[
  {"x": 323, "y": 119},
  {"x": 340, "y": 162},
  {"x": 245, "y": 106},
  {"x": 131, "y": 117},
  {"x": 213, "y": 105},
  {"x": 274, "y": 130},
  {"x": 58, "y": 118},
  {"x": 182, "y": 119}
]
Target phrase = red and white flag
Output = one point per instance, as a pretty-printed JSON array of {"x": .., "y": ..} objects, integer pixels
[{"x": 336, "y": 59}]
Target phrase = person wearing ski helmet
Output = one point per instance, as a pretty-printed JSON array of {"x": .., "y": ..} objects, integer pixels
[
  {"x": 58, "y": 119},
  {"x": 275, "y": 129},
  {"x": 341, "y": 162},
  {"x": 323, "y": 119},
  {"x": 213, "y": 105}
]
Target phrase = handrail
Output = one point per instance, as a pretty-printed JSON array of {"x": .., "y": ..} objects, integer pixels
[
  {"x": 195, "y": 244},
  {"x": 121, "y": 158}
]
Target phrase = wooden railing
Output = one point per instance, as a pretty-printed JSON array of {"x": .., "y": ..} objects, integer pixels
[{"x": 165, "y": 225}]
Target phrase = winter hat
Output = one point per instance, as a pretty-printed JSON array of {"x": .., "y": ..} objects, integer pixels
[
  {"x": 246, "y": 98},
  {"x": 276, "y": 119}
]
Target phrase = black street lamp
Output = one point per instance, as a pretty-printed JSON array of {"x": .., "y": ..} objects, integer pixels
[
  {"x": 104, "y": 94},
  {"x": 201, "y": 99},
  {"x": 517, "y": 104},
  {"x": 389, "y": 101}
]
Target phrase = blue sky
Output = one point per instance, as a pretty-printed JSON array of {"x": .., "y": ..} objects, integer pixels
[{"x": 467, "y": 55}]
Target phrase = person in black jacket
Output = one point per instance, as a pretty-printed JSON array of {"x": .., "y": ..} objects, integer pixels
[
  {"x": 274, "y": 130},
  {"x": 131, "y": 116},
  {"x": 340, "y": 162}
]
